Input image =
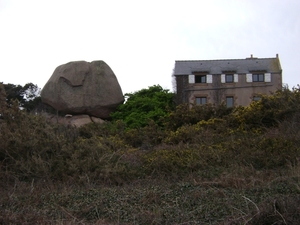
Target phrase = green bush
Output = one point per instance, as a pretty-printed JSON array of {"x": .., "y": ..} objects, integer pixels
[{"x": 143, "y": 106}]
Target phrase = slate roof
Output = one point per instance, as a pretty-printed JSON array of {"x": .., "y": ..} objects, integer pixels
[{"x": 248, "y": 65}]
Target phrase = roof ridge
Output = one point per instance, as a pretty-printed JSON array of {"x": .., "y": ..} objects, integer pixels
[{"x": 198, "y": 60}]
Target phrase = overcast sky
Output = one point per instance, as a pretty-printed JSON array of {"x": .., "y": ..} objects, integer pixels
[{"x": 140, "y": 40}]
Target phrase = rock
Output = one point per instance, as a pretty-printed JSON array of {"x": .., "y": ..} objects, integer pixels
[
  {"x": 79, "y": 120},
  {"x": 97, "y": 120},
  {"x": 72, "y": 120},
  {"x": 83, "y": 88}
]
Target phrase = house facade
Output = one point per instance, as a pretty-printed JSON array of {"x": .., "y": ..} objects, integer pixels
[{"x": 231, "y": 81}]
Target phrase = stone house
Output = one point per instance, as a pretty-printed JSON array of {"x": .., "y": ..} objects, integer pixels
[{"x": 231, "y": 81}]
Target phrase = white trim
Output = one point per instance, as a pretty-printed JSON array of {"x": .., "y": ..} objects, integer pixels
[
  {"x": 209, "y": 78},
  {"x": 249, "y": 77},
  {"x": 223, "y": 80},
  {"x": 236, "y": 78},
  {"x": 191, "y": 79},
  {"x": 267, "y": 77}
]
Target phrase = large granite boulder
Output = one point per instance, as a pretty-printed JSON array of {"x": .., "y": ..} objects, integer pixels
[{"x": 83, "y": 88}]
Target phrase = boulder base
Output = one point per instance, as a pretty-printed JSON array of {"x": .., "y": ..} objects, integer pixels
[
  {"x": 73, "y": 120},
  {"x": 83, "y": 88}
]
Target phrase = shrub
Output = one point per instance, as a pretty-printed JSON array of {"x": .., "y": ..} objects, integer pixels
[
  {"x": 143, "y": 106},
  {"x": 184, "y": 115},
  {"x": 270, "y": 110}
]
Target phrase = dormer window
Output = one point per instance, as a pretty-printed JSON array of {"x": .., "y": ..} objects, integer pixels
[
  {"x": 229, "y": 78},
  {"x": 260, "y": 77},
  {"x": 200, "y": 79}
]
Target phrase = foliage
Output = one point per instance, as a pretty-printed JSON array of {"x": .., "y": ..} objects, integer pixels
[
  {"x": 199, "y": 165},
  {"x": 144, "y": 105},
  {"x": 33, "y": 148},
  {"x": 184, "y": 115},
  {"x": 28, "y": 96},
  {"x": 3, "y": 103},
  {"x": 184, "y": 141},
  {"x": 271, "y": 110}
]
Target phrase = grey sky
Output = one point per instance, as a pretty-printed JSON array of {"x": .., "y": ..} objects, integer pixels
[{"x": 140, "y": 40}]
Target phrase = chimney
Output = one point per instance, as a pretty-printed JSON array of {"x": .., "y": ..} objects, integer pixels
[
  {"x": 277, "y": 55},
  {"x": 251, "y": 57}
]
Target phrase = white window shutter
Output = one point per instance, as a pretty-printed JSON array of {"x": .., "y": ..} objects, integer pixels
[
  {"x": 209, "y": 78},
  {"x": 236, "y": 78},
  {"x": 249, "y": 77},
  {"x": 223, "y": 78},
  {"x": 192, "y": 79},
  {"x": 267, "y": 77}
]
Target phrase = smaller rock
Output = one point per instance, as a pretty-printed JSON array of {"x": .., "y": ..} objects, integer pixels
[
  {"x": 73, "y": 120},
  {"x": 80, "y": 120},
  {"x": 97, "y": 120}
]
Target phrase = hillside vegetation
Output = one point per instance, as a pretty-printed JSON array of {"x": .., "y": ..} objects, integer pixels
[{"x": 154, "y": 163}]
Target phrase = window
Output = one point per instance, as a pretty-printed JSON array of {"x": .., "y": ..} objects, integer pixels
[
  {"x": 256, "y": 98},
  {"x": 201, "y": 100},
  {"x": 229, "y": 78},
  {"x": 200, "y": 79},
  {"x": 229, "y": 101},
  {"x": 258, "y": 77}
]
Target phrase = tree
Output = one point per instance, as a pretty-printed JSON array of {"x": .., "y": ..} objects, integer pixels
[
  {"x": 27, "y": 96},
  {"x": 13, "y": 92},
  {"x": 31, "y": 91},
  {"x": 32, "y": 96},
  {"x": 145, "y": 105}
]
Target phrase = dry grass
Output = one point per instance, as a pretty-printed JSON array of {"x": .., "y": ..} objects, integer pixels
[
  {"x": 218, "y": 171},
  {"x": 255, "y": 198}
]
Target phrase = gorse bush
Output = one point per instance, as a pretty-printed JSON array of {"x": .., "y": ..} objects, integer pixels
[
  {"x": 200, "y": 165},
  {"x": 36, "y": 149},
  {"x": 3, "y": 103},
  {"x": 184, "y": 115},
  {"x": 181, "y": 141},
  {"x": 270, "y": 110}
]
